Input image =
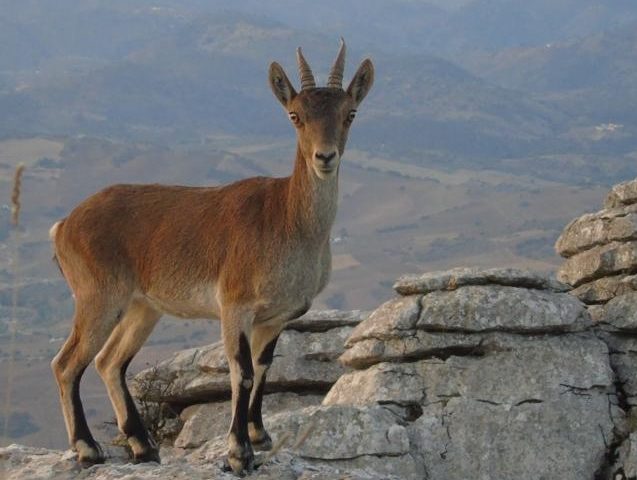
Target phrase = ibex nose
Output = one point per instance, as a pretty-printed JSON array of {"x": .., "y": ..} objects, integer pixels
[{"x": 325, "y": 157}]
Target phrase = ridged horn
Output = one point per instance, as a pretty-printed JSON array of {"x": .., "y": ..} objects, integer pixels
[
  {"x": 336, "y": 74},
  {"x": 305, "y": 72}
]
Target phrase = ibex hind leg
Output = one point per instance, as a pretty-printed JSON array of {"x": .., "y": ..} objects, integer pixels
[
  {"x": 113, "y": 360},
  {"x": 93, "y": 322}
]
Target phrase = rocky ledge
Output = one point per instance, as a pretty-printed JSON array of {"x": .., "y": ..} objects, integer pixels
[
  {"x": 466, "y": 373},
  {"x": 601, "y": 248}
]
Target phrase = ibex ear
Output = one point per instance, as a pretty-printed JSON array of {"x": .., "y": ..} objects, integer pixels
[
  {"x": 280, "y": 84},
  {"x": 362, "y": 82}
]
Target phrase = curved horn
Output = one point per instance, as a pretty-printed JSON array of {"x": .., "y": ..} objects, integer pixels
[
  {"x": 305, "y": 72},
  {"x": 336, "y": 74}
]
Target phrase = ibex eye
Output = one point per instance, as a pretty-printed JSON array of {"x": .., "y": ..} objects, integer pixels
[
  {"x": 294, "y": 117},
  {"x": 352, "y": 115}
]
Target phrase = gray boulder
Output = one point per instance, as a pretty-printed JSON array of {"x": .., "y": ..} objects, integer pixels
[
  {"x": 593, "y": 229},
  {"x": 324, "y": 320},
  {"x": 620, "y": 313},
  {"x": 400, "y": 384},
  {"x": 556, "y": 364},
  {"x": 466, "y": 320},
  {"x": 459, "y": 277},
  {"x": 537, "y": 409},
  {"x": 535, "y": 441},
  {"x": 343, "y": 432},
  {"x": 504, "y": 309},
  {"x": 604, "y": 289},
  {"x": 601, "y": 261},
  {"x": 350, "y": 437},
  {"x": 622, "y": 194}
]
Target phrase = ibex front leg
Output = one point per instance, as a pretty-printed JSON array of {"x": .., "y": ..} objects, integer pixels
[
  {"x": 235, "y": 327},
  {"x": 263, "y": 343}
]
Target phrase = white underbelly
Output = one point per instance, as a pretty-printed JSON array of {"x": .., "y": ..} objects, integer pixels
[{"x": 198, "y": 301}]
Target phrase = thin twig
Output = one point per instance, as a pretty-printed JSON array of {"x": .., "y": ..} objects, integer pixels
[
  {"x": 15, "y": 195},
  {"x": 15, "y": 221}
]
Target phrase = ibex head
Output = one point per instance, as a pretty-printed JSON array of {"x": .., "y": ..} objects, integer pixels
[{"x": 322, "y": 115}]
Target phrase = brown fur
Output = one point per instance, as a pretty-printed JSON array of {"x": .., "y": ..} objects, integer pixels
[{"x": 253, "y": 253}]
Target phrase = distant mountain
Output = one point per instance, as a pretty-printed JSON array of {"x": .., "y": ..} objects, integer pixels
[
  {"x": 595, "y": 76},
  {"x": 492, "y": 25},
  {"x": 424, "y": 102},
  {"x": 171, "y": 73},
  {"x": 209, "y": 76}
]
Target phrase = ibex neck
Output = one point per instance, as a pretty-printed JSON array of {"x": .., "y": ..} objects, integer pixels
[{"x": 311, "y": 201}]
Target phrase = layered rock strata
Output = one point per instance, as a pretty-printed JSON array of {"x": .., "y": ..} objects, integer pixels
[
  {"x": 601, "y": 248},
  {"x": 496, "y": 374}
]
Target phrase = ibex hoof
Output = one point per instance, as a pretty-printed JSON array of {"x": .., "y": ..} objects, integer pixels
[
  {"x": 241, "y": 460},
  {"x": 87, "y": 454},
  {"x": 262, "y": 443},
  {"x": 149, "y": 455}
]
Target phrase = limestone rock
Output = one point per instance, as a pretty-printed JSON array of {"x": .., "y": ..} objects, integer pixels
[
  {"x": 384, "y": 383},
  {"x": 21, "y": 463},
  {"x": 324, "y": 320},
  {"x": 480, "y": 420},
  {"x": 443, "y": 323},
  {"x": 621, "y": 313},
  {"x": 623, "y": 358},
  {"x": 612, "y": 259},
  {"x": 553, "y": 439},
  {"x": 350, "y": 437},
  {"x": 343, "y": 432},
  {"x": 353, "y": 442},
  {"x": 627, "y": 458},
  {"x": 458, "y": 277},
  {"x": 555, "y": 363},
  {"x": 537, "y": 408},
  {"x": 604, "y": 289},
  {"x": 308, "y": 360},
  {"x": 622, "y": 194},
  {"x": 304, "y": 359},
  {"x": 497, "y": 308},
  {"x": 393, "y": 318},
  {"x": 203, "y": 422},
  {"x": 474, "y": 309},
  {"x": 418, "y": 344},
  {"x": 590, "y": 230}
]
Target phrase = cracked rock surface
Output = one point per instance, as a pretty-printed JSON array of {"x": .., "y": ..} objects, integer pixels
[{"x": 492, "y": 379}]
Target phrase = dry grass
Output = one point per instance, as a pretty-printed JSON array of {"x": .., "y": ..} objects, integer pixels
[
  {"x": 15, "y": 221},
  {"x": 15, "y": 195}
]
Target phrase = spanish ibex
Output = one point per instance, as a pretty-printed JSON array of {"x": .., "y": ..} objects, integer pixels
[{"x": 254, "y": 254}]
